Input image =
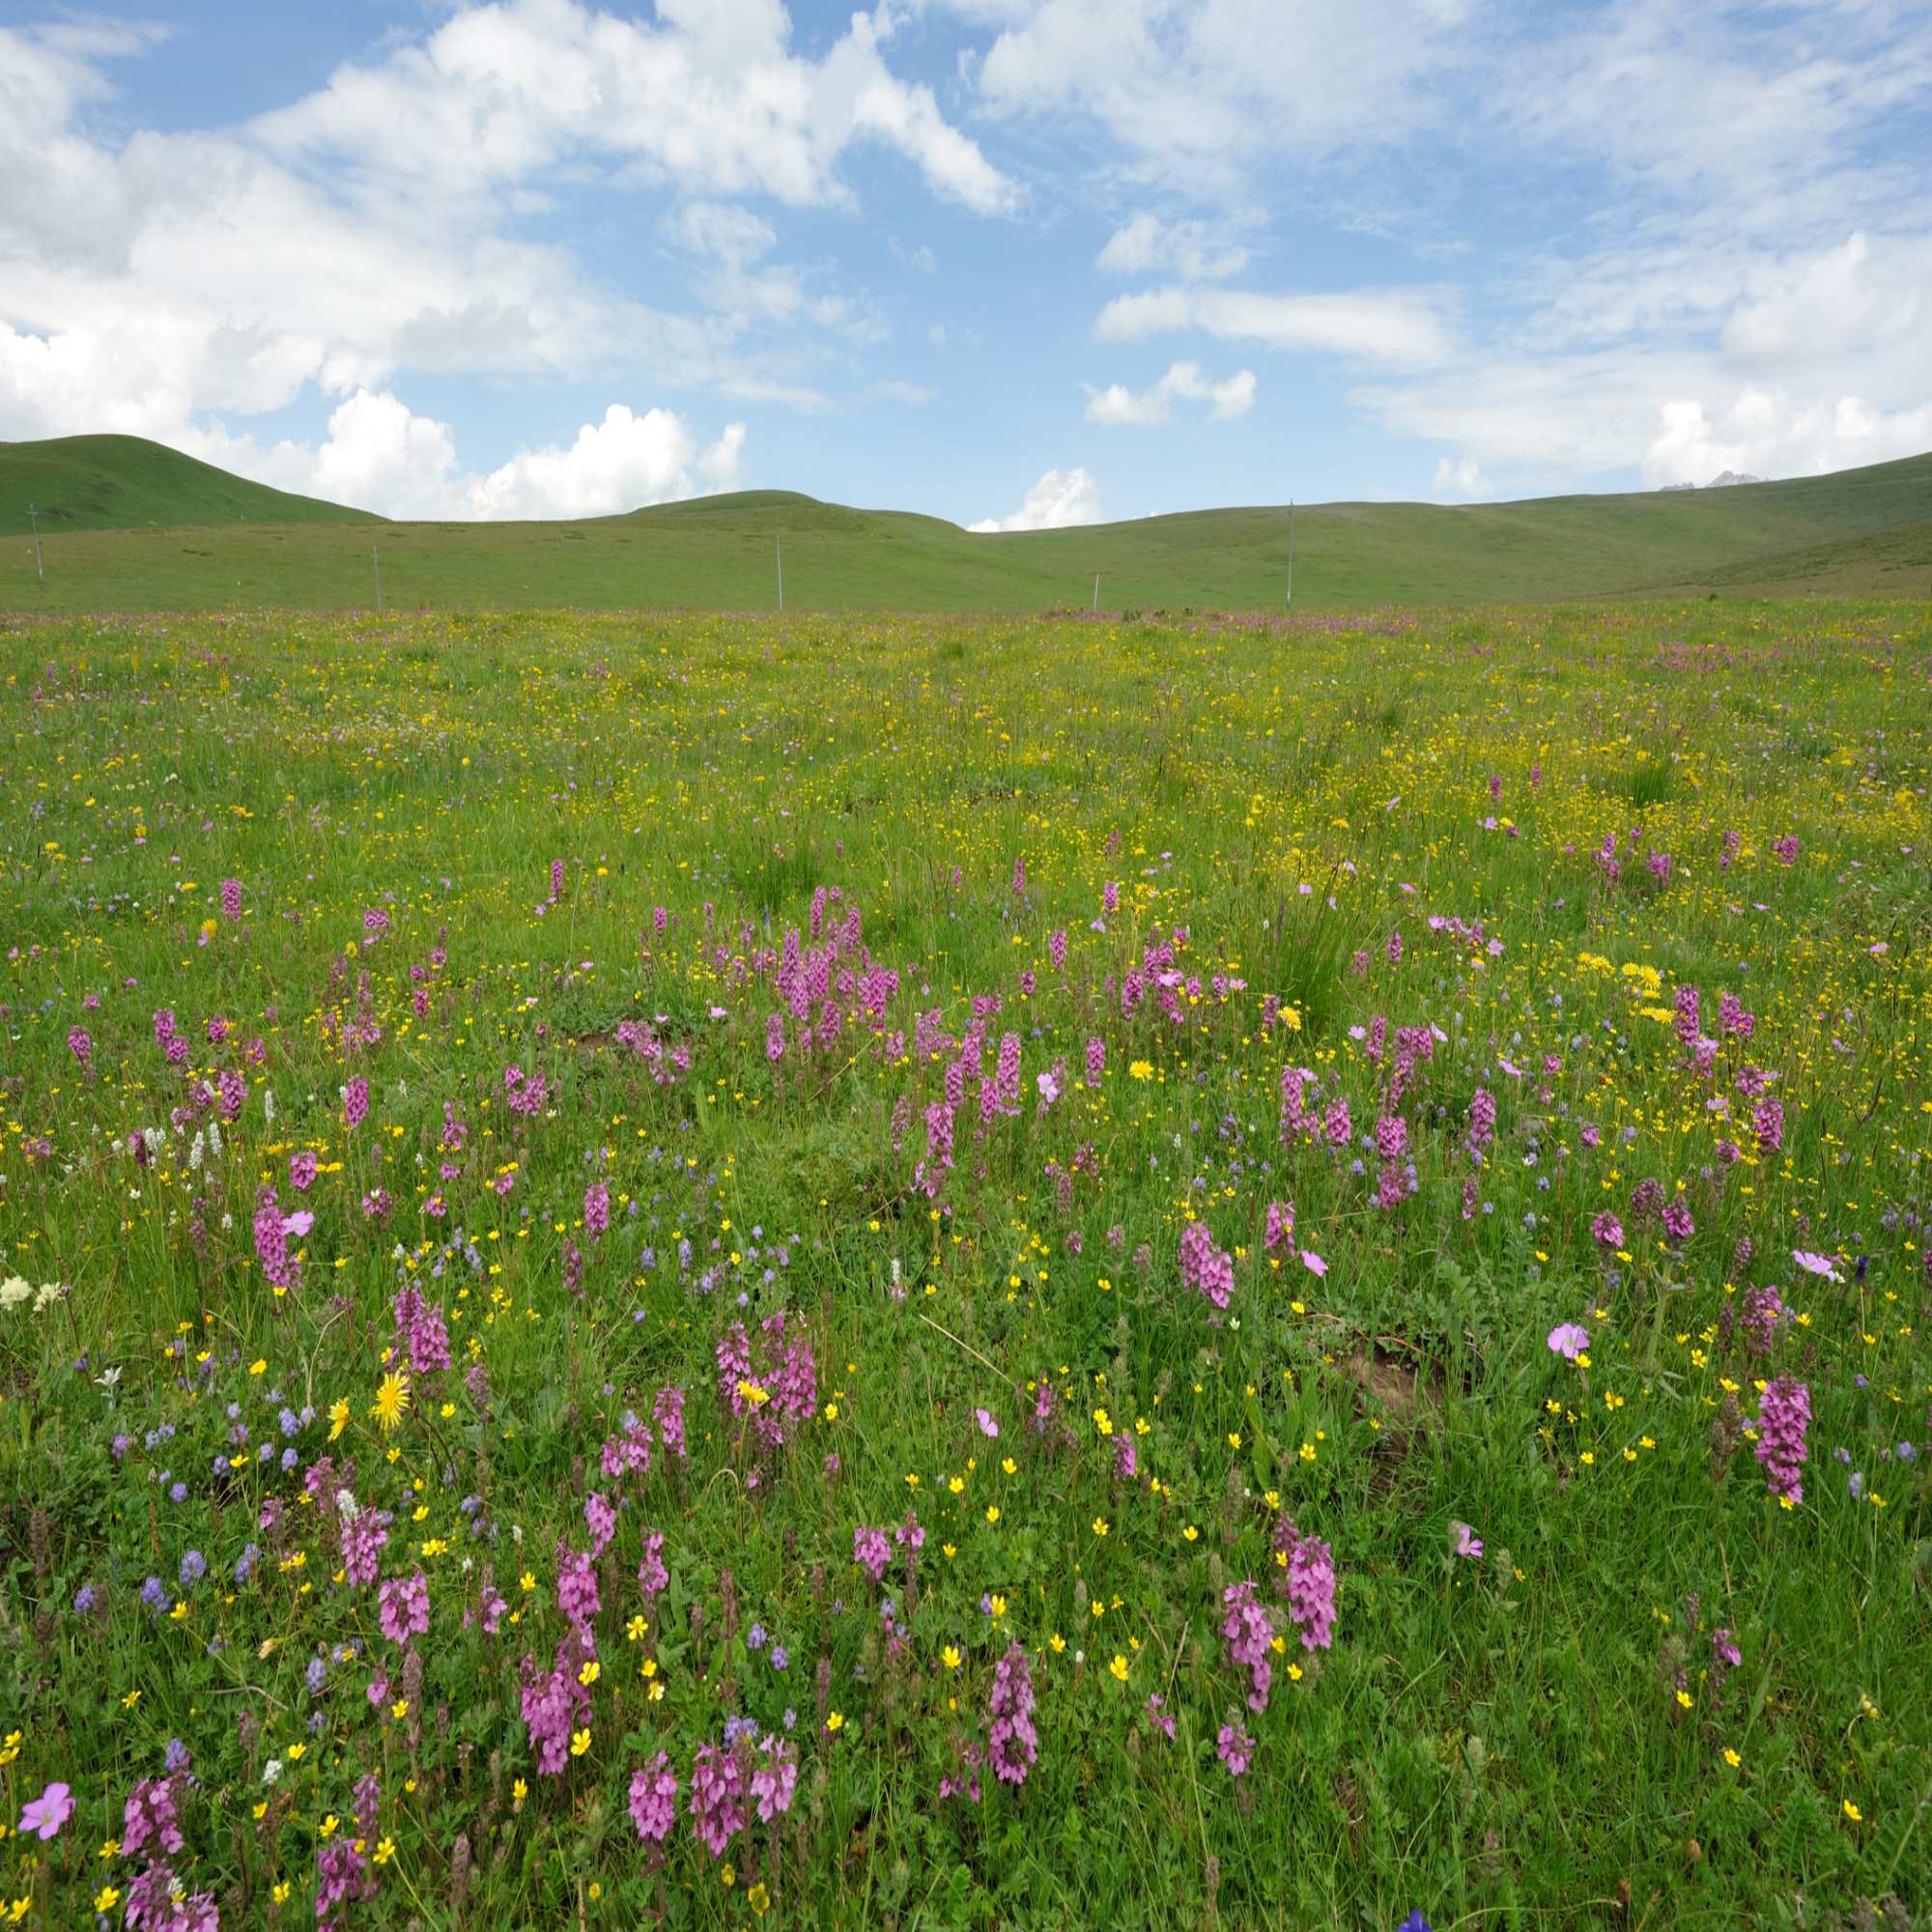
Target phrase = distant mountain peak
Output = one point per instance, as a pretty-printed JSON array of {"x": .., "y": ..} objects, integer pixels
[{"x": 1723, "y": 482}]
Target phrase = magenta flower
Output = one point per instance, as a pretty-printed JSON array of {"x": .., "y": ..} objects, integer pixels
[
  {"x": 1012, "y": 1744},
  {"x": 45, "y": 1815},
  {"x": 1818, "y": 1264},
  {"x": 1466, "y": 1541},
  {"x": 1784, "y": 1414},
  {"x": 987, "y": 1426},
  {"x": 1569, "y": 1339},
  {"x": 1237, "y": 1748},
  {"x": 654, "y": 1800}
]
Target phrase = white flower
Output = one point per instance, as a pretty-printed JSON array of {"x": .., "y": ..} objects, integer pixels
[
  {"x": 272, "y": 1771},
  {"x": 49, "y": 1293},
  {"x": 14, "y": 1290},
  {"x": 344, "y": 1503}
]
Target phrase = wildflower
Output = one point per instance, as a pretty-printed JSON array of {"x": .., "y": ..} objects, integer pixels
[
  {"x": 1569, "y": 1339},
  {"x": 1467, "y": 1542},
  {"x": 654, "y": 1800},
  {"x": 393, "y": 1400},
  {"x": 1783, "y": 1416},
  {"x": 1235, "y": 1748},
  {"x": 1012, "y": 1746},
  {"x": 45, "y": 1815}
]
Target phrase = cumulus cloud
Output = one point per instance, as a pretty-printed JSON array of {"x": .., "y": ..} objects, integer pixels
[
  {"x": 1191, "y": 91},
  {"x": 710, "y": 96},
  {"x": 1399, "y": 328},
  {"x": 379, "y": 455},
  {"x": 1149, "y": 245},
  {"x": 1060, "y": 499},
  {"x": 1463, "y": 479},
  {"x": 158, "y": 283},
  {"x": 1769, "y": 433},
  {"x": 1117, "y": 405}
]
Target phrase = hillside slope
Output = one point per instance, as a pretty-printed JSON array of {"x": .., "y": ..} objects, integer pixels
[
  {"x": 1857, "y": 531},
  {"x": 125, "y": 482}
]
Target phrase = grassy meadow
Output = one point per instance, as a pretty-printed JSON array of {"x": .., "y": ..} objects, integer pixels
[
  {"x": 140, "y": 528},
  {"x": 1004, "y": 1272}
]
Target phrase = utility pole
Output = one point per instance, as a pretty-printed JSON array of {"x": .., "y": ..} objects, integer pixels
[
  {"x": 1289, "y": 597},
  {"x": 34, "y": 516},
  {"x": 780, "y": 543},
  {"x": 376, "y": 558},
  {"x": 1097, "y": 593}
]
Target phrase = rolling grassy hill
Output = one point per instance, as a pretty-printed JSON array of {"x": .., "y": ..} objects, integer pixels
[
  {"x": 1867, "y": 530},
  {"x": 125, "y": 482}
]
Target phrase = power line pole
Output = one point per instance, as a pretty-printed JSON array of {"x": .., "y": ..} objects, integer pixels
[
  {"x": 34, "y": 516},
  {"x": 375, "y": 558},
  {"x": 1289, "y": 598},
  {"x": 780, "y": 543},
  {"x": 1097, "y": 593}
]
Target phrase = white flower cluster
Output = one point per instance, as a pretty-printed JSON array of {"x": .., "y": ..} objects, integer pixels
[{"x": 13, "y": 1292}]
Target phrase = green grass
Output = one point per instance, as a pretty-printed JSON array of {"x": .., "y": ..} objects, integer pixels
[
  {"x": 125, "y": 482},
  {"x": 1862, "y": 530},
  {"x": 1496, "y": 1742}
]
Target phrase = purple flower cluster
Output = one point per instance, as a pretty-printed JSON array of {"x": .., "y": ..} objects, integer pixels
[
  {"x": 1204, "y": 1267},
  {"x": 1308, "y": 1584},
  {"x": 1784, "y": 1414},
  {"x": 1012, "y": 1746},
  {"x": 1248, "y": 1632}
]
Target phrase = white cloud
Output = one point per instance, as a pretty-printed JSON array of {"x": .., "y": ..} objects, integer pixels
[
  {"x": 154, "y": 282},
  {"x": 711, "y": 96},
  {"x": 1061, "y": 498},
  {"x": 1461, "y": 479},
  {"x": 1767, "y": 433},
  {"x": 1189, "y": 91},
  {"x": 1149, "y": 245},
  {"x": 1399, "y": 328},
  {"x": 1118, "y": 405},
  {"x": 379, "y": 455}
]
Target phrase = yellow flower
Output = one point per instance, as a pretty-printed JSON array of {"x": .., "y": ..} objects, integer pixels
[
  {"x": 758, "y": 1899},
  {"x": 999, "y": 1607},
  {"x": 1190, "y": 1532},
  {"x": 580, "y": 1742},
  {"x": 386, "y": 1850},
  {"x": 1056, "y": 1643},
  {"x": 1684, "y": 1699},
  {"x": 835, "y": 1721},
  {"x": 589, "y": 1673},
  {"x": 518, "y": 1791},
  {"x": 327, "y": 1829},
  {"x": 1099, "y": 1525},
  {"x": 950, "y": 1657},
  {"x": 280, "y": 1891},
  {"x": 392, "y": 1400},
  {"x": 752, "y": 1393},
  {"x": 338, "y": 1417},
  {"x": 1118, "y": 1666},
  {"x": 992, "y": 1512},
  {"x": 1853, "y": 1813},
  {"x": 1732, "y": 1757},
  {"x": 106, "y": 1898},
  {"x": 259, "y": 1366},
  {"x": 1141, "y": 1069}
]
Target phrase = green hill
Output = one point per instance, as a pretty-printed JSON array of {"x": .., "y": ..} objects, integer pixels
[
  {"x": 125, "y": 482},
  {"x": 1866, "y": 530}
]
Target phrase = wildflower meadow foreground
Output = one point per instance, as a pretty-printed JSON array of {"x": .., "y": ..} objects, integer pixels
[{"x": 756, "y": 1271}]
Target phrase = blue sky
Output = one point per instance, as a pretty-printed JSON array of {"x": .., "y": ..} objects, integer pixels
[{"x": 1011, "y": 261}]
